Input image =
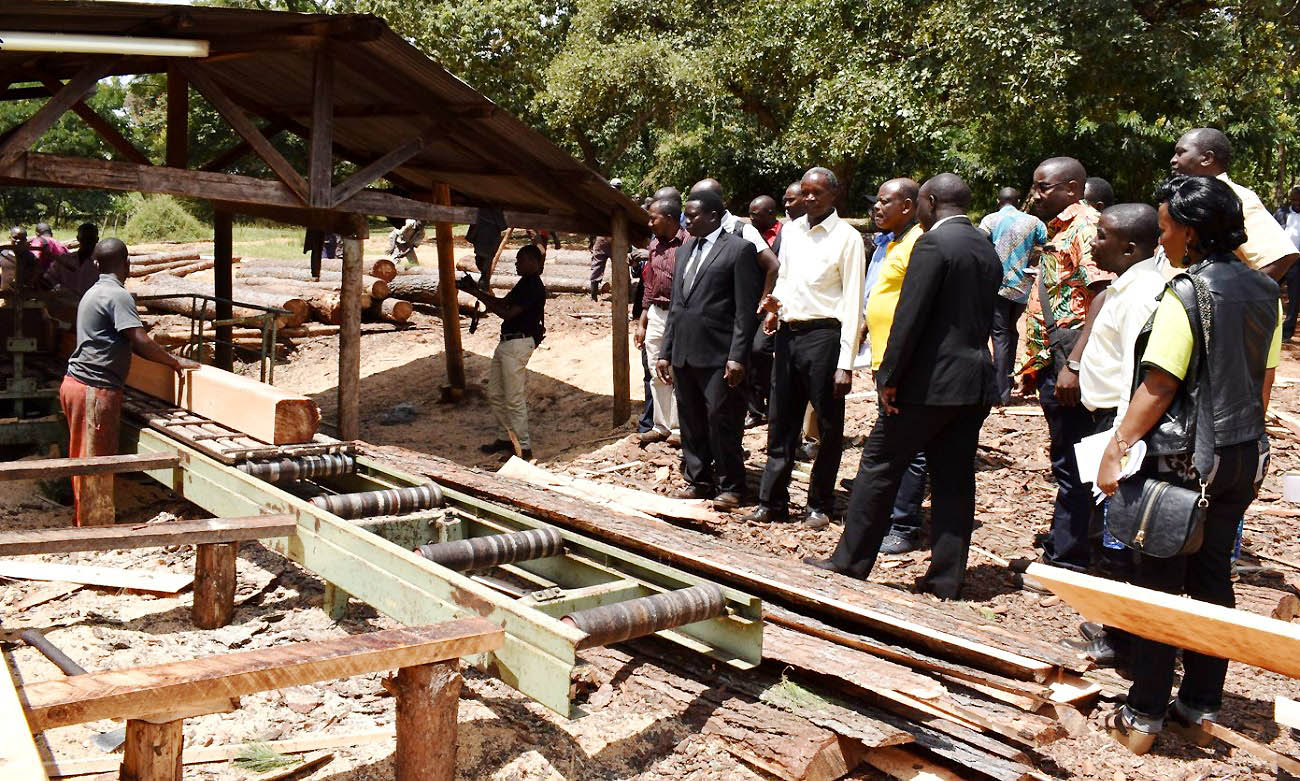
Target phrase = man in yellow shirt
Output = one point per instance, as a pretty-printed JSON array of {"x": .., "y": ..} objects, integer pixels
[{"x": 895, "y": 213}]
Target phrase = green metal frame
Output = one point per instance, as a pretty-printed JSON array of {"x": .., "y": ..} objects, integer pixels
[{"x": 372, "y": 560}]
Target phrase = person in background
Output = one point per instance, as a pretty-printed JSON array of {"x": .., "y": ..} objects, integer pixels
[
  {"x": 523, "y": 327},
  {"x": 895, "y": 215},
  {"x": 18, "y": 262},
  {"x": 403, "y": 241},
  {"x": 656, "y": 300},
  {"x": 485, "y": 236},
  {"x": 1205, "y": 151},
  {"x": 815, "y": 310},
  {"x": 47, "y": 249},
  {"x": 936, "y": 388},
  {"x": 602, "y": 249},
  {"x": 75, "y": 272},
  {"x": 1017, "y": 237},
  {"x": 733, "y": 224},
  {"x": 1202, "y": 226},
  {"x": 1289, "y": 218},
  {"x": 762, "y": 215},
  {"x": 758, "y": 383},
  {"x": 1098, "y": 193},
  {"x": 108, "y": 332}
]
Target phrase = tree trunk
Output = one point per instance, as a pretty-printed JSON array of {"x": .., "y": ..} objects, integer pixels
[
  {"x": 383, "y": 268},
  {"x": 375, "y": 286},
  {"x": 393, "y": 310},
  {"x": 168, "y": 284}
]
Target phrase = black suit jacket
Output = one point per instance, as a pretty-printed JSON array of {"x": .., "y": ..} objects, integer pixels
[
  {"x": 938, "y": 350},
  {"x": 715, "y": 322}
]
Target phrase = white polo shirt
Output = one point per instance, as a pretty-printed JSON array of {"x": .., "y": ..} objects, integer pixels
[{"x": 1106, "y": 368}]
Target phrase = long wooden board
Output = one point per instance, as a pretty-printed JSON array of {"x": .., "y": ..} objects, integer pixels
[
  {"x": 50, "y": 468},
  {"x": 142, "y": 690},
  {"x": 261, "y": 411},
  {"x": 123, "y": 537},
  {"x": 19, "y": 758},
  {"x": 1180, "y": 621},
  {"x": 627, "y": 500},
  {"x": 108, "y": 577}
]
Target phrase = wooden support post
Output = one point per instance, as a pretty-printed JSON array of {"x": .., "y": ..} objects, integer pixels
[
  {"x": 349, "y": 403},
  {"x": 620, "y": 279},
  {"x": 320, "y": 163},
  {"x": 427, "y": 699},
  {"x": 98, "y": 505},
  {"x": 335, "y": 602},
  {"x": 223, "y": 286},
  {"x": 214, "y": 584},
  {"x": 153, "y": 751},
  {"x": 178, "y": 119},
  {"x": 447, "y": 302}
]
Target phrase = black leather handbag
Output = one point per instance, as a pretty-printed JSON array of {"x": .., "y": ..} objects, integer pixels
[{"x": 1158, "y": 518}]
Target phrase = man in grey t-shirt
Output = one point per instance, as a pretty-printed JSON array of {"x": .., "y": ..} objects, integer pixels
[{"x": 108, "y": 332}]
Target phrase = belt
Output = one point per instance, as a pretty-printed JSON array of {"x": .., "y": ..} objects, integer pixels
[
  {"x": 811, "y": 325},
  {"x": 506, "y": 337}
]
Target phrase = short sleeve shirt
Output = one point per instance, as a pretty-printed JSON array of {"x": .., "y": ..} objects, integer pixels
[
  {"x": 886, "y": 290},
  {"x": 733, "y": 224},
  {"x": 530, "y": 294},
  {"x": 1266, "y": 241},
  {"x": 103, "y": 354},
  {"x": 1171, "y": 343}
]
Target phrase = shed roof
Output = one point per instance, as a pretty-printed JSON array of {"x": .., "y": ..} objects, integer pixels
[{"x": 385, "y": 92}]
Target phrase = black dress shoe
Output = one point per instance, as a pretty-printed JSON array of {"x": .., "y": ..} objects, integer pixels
[
  {"x": 829, "y": 566},
  {"x": 1091, "y": 630},
  {"x": 695, "y": 492},
  {"x": 768, "y": 515},
  {"x": 497, "y": 446}
]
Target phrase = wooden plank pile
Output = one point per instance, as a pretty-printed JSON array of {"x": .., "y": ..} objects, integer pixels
[{"x": 854, "y": 669}]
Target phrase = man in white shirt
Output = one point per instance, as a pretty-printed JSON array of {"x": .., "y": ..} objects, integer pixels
[
  {"x": 1289, "y": 218},
  {"x": 815, "y": 309}
]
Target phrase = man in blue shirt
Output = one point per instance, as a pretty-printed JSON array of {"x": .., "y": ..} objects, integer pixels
[{"x": 1017, "y": 236}]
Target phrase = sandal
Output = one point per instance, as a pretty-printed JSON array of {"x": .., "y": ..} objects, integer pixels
[{"x": 1119, "y": 727}]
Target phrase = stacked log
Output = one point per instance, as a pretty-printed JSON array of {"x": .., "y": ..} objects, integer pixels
[
  {"x": 169, "y": 284},
  {"x": 324, "y": 298},
  {"x": 382, "y": 268},
  {"x": 376, "y": 287}
]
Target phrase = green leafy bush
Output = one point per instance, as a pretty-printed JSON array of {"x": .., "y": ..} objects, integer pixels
[{"x": 161, "y": 218}]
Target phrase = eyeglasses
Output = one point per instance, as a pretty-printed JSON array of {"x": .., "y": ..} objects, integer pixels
[{"x": 1044, "y": 189}]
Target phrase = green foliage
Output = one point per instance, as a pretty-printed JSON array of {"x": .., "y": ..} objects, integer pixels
[
  {"x": 161, "y": 218},
  {"x": 261, "y": 758}
]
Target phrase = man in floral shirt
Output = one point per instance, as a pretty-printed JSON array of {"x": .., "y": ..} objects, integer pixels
[{"x": 1068, "y": 281}]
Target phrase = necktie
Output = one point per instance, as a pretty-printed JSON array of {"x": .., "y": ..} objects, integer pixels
[{"x": 694, "y": 265}]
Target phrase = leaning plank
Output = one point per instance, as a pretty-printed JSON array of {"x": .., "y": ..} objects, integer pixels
[
  {"x": 261, "y": 411},
  {"x": 107, "y": 577},
  {"x": 628, "y": 498},
  {"x": 142, "y": 690},
  {"x": 1180, "y": 621},
  {"x": 943, "y": 631},
  {"x": 123, "y": 537},
  {"x": 1252, "y": 747},
  {"x": 50, "y": 468},
  {"x": 19, "y": 758}
]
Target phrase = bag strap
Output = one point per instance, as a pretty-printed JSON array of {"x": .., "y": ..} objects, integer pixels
[
  {"x": 1044, "y": 303},
  {"x": 1199, "y": 304}
]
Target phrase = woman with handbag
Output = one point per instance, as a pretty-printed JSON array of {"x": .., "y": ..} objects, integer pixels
[{"x": 1206, "y": 371}]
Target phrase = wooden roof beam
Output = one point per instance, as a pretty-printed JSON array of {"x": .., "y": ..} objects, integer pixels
[
  {"x": 219, "y": 163},
  {"x": 376, "y": 170},
  {"x": 101, "y": 126},
  {"x": 74, "y": 91},
  {"x": 321, "y": 145},
  {"x": 246, "y": 129}
]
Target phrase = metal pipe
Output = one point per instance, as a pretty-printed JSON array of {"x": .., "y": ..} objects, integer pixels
[
  {"x": 16, "y": 41},
  {"x": 392, "y": 501},
  {"x": 283, "y": 470},
  {"x": 494, "y": 549},
  {"x": 647, "y": 615}
]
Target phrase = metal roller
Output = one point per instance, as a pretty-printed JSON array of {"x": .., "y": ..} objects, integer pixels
[
  {"x": 647, "y": 615},
  {"x": 494, "y": 549},
  {"x": 393, "y": 501},
  {"x": 283, "y": 470}
]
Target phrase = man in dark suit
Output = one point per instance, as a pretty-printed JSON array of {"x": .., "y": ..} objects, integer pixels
[
  {"x": 936, "y": 386},
  {"x": 710, "y": 329}
]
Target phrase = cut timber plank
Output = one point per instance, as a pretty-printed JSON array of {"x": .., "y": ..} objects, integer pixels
[
  {"x": 944, "y": 631},
  {"x": 1286, "y": 712},
  {"x": 122, "y": 537},
  {"x": 19, "y": 758},
  {"x": 1252, "y": 747},
  {"x": 108, "y": 577},
  {"x": 908, "y": 765},
  {"x": 1179, "y": 621},
  {"x": 142, "y": 690},
  {"x": 861, "y": 669},
  {"x": 261, "y": 411},
  {"x": 627, "y": 500},
  {"x": 49, "y": 468}
]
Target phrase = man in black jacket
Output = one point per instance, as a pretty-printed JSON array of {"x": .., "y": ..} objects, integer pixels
[
  {"x": 710, "y": 329},
  {"x": 936, "y": 385}
]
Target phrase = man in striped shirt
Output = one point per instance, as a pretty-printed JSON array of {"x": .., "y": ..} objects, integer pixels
[{"x": 1016, "y": 237}]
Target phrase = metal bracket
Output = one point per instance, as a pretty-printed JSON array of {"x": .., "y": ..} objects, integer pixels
[{"x": 21, "y": 344}]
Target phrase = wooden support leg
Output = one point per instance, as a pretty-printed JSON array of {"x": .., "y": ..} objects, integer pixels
[
  {"x": 621, "y": 280},
  {"x": 349, "y": 390},
  {"x": 153, "y": 751},
  {"x": 214, "y": 584},
  {"x": 427, "y": 699},
  {"x": 335, "y": 603},
  {"x": 447, "y": 299},
  {"x": 97, "y": 502}
]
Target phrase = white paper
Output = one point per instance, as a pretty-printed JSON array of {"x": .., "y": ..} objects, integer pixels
[
  {"x": 863, "y": 359},
  {"x": 1089, "y": 451}
]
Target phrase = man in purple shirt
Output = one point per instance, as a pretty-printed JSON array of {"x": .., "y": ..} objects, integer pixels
[{"x": 657, "y": 284}]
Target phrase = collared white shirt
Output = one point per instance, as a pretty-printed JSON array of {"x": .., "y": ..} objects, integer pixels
[
  {"x": 747, "y": 231},
  {"x": 1106, "y": 367},
  {"x": 945, "y": 219},
  {"x": 699, "y": 253},
  {"x": 821, "y": 276},
  {"x": 1292, "y": 227}
]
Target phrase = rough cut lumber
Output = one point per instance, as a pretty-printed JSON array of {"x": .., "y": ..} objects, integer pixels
[
  {"x": 1286, "y": 712},
  {"x": 190, "y": 268},
  {"x": 1179, "y": 621},
  {"x": 627, "y": 500},
  {"x": 180, "y": 287},
  {"x": 392, "y": 310},
  {"x": 50, "y": 468},
  {"x": 861, "y": 669},
  {"x": 108, "y": 577},
  {"x": 383, "y": 268},
  {"x": 947, "y": 631},
  {"x": 153, "y": 751},
  {"x": 1254, "y": 748},
  {"x": 142, "y": 690},
  {"x": 124, "y": 537},
  {"x": 19, "y": 758},
  {"x": 261, "y": 411},
  {"x": 375, "y": 286},
  {"x": 908, "y": 765},
  {"x": 154, "y": 258},
  {"x": 214, "y": 584},
  {"x": 172, "y": 266}
]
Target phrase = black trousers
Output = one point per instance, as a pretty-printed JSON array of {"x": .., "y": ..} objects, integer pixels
[
  {"x": 758, "y": 377},
  {"x": 712, "y": 419},
  {"x": 1292, "y": 282},
  {"x": 803, "y": 372},
  {"x": 948, "y": 436},
  {"x": 1006, "y": 315},
  {"x": 647, "y": 420},
  {"x": 1068, "y": 546},
  {"x": 1205, "y": 575}
]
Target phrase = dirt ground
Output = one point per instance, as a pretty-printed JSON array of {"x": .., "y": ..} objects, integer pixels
[{"x": 635, "y": 731}]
